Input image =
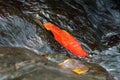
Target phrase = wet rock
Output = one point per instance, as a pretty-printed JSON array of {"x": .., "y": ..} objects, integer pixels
[
  {"x": 75, "y": 23},
  {"x": 23, "y": 64},
  {"x": 14, "y": 60},
  {"x": 111, "y": 39},
  {"x": 96, "y": 72},
  {"x": 54, "y": 73}
]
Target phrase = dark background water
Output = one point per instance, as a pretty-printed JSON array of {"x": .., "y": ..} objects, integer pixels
[{"x": 94, "y": 23}]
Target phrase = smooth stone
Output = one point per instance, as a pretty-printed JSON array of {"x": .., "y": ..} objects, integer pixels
[{"x": 23, "y": 64}]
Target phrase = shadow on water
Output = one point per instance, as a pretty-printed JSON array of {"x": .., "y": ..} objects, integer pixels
[{"x": 95, "y": 23}]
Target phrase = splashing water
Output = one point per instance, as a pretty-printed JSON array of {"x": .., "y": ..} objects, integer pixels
[{"x": 110, "y": 60}]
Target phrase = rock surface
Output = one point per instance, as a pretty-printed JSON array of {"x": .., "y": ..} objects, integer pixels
[{"x": 23, "y": 64}]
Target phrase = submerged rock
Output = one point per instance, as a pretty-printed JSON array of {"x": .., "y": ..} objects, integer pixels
[{"x": 23, "y": 64}]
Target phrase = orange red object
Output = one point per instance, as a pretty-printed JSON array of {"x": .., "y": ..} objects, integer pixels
[{"x": 66, "y": 40}]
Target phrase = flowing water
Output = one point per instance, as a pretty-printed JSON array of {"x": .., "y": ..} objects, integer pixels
[{"x": 94, "y": 23}]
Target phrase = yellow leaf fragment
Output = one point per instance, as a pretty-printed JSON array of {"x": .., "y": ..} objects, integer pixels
[{"x": 80, "y": 71}]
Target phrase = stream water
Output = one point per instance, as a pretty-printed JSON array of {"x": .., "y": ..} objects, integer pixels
[{"x": 94, "y": 23}]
